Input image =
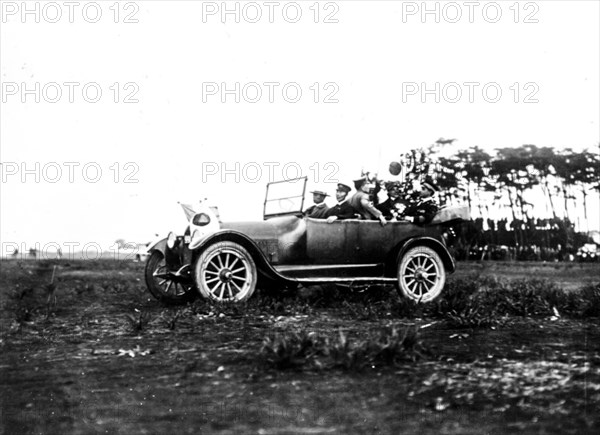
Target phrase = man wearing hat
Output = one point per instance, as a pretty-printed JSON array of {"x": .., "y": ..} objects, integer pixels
[
  {"x": 361, "y": 202},
  {"x": 318, "y": 210},
  {"x": 343, "y": 209},
  {"x": 425, "y": 208},
  {"x": 393, "y": 206}
]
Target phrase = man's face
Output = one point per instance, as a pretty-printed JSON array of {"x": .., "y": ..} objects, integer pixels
[
  {"x": 340, "y": 195},
  {"x": 425, "y": 192},
  {"x": 393, "y": 193},
  {"x": 367, "y": 187},
  {"x": 318, "y": 198}
]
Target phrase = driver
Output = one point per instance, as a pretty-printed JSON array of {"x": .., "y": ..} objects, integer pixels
[
  {"x": 361, "y": 202},
  {"x": 343, "y": 209},
  {"x": 319, "y": 209}
]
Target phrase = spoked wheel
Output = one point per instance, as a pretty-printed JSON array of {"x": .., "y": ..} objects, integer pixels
[
  {"x": 421, "y": 274},
  {"x": 164, "y": 284},
  {"x": 226, "y": 272}
]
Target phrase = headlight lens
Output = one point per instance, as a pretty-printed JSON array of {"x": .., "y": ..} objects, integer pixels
[
  {"x": 201, "y": 219},
  {"x": 171, "y": 238}
]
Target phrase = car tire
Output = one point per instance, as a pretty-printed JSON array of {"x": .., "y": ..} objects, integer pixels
[
  {"x": 421, "y": 274},
  {"x": 225, "y": 272},
  {"x": 164, "y": 289}
]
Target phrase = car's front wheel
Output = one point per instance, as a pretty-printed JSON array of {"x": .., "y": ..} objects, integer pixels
[
  {"x": 163, "y": 284},
  {"x": 421, "y": 274},
  {"x": 226, "y": 272}
]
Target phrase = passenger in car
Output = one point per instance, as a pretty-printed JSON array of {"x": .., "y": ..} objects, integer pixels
[
  {"x": 319, "y": 208},
  {"x": 424, "y": 208},
  {"x": 361, "y": 203},
  {"x": 393, "y": 206},
  {"x": 343, "y": 209}
]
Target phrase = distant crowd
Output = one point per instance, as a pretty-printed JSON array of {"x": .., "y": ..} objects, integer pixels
[{"x": 532, "y": 240}]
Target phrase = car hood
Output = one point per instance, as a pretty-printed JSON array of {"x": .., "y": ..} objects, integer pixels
[{"x": 272, "y": 228}]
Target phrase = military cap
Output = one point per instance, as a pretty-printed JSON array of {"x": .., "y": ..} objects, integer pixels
[
  {"x": 360, "y": 181},
  {"x": 319, "y": 192},
  {"x": 389, "y": 185},
  {"x": 344, "y": 187}
]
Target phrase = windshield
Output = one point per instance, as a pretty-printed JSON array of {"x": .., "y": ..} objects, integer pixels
[{"x": 284, "y": 197}]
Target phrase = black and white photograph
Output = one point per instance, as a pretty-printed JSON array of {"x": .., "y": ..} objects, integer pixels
[{"x": 299, "y": 217}]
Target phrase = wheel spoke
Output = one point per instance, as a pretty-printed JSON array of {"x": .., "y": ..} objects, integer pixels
[
  {"x": 208, "y": 281},
  {"x": 222, "y": 290},
  {"x": 409, "y": 276},
  {"x": 218, "y": 256},
  {"x": 238, "y": 269},
  {"x": 233, "y": 263},
  {"x": 213, "y": 264},
  {"x": 237, "y": 287},
  {"x": 240, "y": 278},
  {"x": 428, "y": 280},
  {"x": 168, "y": 287},
  {"x": 162, "y": 282},
  {"x": 211, "y": 272},
  {"x": 215, "y": 288},
  {"x": 430, "y": 266},
  {"x": 229, "y": 291},
  {"x": 227, "y": 259}
]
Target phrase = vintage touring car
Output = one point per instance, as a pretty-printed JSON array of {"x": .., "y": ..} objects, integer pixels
[{"x": 226, "y": 261}]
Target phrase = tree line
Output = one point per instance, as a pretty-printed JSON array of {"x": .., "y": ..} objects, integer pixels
[{"x": 525, "y": 197}]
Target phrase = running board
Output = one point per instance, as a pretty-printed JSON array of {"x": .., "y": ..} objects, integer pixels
[
  {"x": 358, "y": 280},
  {"x": 333, "y": 272},
  {"x": 283, "y": 269}
]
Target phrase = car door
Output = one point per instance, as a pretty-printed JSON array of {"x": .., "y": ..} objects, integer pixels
[{"x": 332, "y": 243}]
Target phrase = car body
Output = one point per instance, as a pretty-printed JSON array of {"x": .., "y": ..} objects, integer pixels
[{"x": 225, "y": 261}]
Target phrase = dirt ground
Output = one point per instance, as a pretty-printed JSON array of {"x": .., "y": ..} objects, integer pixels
[{"x": 99, "y": 355}]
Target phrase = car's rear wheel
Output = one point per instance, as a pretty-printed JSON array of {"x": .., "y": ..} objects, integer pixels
[
  {"x": 226, "y": 272},
  {"x": 421, "y": 274},
  {"x": 162, "y": 284}
]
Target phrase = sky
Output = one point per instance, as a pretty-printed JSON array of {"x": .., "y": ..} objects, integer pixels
[{"x": 111, "y": 113}]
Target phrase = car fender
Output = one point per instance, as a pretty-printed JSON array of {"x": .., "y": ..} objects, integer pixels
[
  {"x": 434, "y": 244},
  {"x": 159, "y": 245},
  {"x": 259, "y": 257}
]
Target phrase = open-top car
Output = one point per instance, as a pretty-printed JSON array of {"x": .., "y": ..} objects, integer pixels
[{"x": 225, "y": 261}]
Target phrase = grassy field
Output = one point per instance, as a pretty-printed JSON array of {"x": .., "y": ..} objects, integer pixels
[{"x": 509, "y": 347}]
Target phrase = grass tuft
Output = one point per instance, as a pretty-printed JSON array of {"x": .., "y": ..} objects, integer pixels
[
  {"x": 390, "y": 347},
  {"x": 139, "y": 320}
]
